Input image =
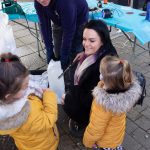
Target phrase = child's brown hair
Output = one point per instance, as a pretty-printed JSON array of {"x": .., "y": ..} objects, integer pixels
[
  {"x": 117, "y": 73},
  {"x": 12, "y": 73}
]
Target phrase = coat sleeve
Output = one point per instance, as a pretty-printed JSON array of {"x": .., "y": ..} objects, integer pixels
[
  {"x": 99, "y": 120},
  {"x": 43, "y": 113},
  {"x": 71, "y": 102}
]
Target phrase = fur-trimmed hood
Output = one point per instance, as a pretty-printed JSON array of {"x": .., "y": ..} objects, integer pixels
[
  {"x": 118, "y": 102},
  {"x": 14, "y": 114}
]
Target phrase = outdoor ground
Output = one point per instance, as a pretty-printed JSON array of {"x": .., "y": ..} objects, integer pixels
[{"x": 138, "y": 120}]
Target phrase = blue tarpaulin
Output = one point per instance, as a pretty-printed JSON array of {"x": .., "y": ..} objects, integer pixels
[
  {"x": 124, "y": 18},
  {"x": 133, "y": 23}
]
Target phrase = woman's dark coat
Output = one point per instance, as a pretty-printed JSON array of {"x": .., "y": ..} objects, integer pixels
[{"x": 79, "y": 97}]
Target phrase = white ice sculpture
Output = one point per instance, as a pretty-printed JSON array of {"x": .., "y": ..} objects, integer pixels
[{"x": 7, "y": 41}]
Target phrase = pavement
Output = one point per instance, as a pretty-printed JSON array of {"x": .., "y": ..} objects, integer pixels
[{"x": 138, "y": 119}]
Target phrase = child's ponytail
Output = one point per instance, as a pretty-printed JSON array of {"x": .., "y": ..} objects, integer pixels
[
  {"x": 8, "y": 57},
  {"x": 127, "y": 74}
]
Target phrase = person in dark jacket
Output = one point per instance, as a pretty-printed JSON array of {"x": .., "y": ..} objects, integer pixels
[
  {"x": 145, "y": 4},
  {"x": 68, "y": 17},
  {"x": 78, "y": 98}
]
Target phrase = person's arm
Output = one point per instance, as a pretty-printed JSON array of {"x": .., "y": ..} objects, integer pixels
[
  {"x": 45, "y": 27},
  {"x": 45, "y": 117},
  {"x": 68, "y": 16},
  {"x": 96, "y": 128},
  {"x": 50, "y": 106}
]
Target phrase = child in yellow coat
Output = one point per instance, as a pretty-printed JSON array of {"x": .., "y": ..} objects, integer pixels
[
  {"x": 28, "y": 118},
  {"x": 114, "y": 96}
]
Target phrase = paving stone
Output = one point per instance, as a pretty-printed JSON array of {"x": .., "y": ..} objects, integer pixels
[
  {"x": 140, "y": 108},
  {"x": 23, "y": 50},
  {"x": 142, "y": 148},
  {"x": 33, "y": 61},
  {"x": 130, "y": 126},
  {"x": 17, "y": 27},
  {"x": 147, "y": 74},
  {"x": 21, "y": 33},
  {"x": 147, "y": 101},
  {"x": 133, "y": 115},
  {"x": 148, "y": 90},
  {"x": 28, "y": 39},
  {"x": 148, "y": 131},
  {"x": 142, "y": 137},
  {"x": 148, "y": 82},
  {"x": 67, "y": 143},
  {"x": 19, "y": 43},
  {"x": 130, "y": 143},
  {"x": 146, "y": 112},
  {"x": 143, "y": 123}
]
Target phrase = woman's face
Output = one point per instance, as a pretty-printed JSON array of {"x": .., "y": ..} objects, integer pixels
[{"x": 91, "y": 41}]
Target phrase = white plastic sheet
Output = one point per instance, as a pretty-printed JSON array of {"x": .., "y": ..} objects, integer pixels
[{"x": 57, "y": 85}]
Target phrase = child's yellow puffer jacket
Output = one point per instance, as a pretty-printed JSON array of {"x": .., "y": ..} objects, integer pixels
[
  {"x": 33, "y": 126},
  {"x": 108, "y": 116}
]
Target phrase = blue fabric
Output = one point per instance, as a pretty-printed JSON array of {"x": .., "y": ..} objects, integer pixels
[
  {"x": 29, "y": 10},
  {"x": 133, "y": 23},
  {"x": 45, "y": 26}
]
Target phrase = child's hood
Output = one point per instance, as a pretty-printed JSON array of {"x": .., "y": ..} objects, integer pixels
[
  {"x": 14, "y": 114},
  {"x": 118, "y": 102}
]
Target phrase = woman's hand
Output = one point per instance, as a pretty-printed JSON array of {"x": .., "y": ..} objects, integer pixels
[{"x": 78, "y": 56}]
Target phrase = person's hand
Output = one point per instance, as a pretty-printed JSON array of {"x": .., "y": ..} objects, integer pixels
[
  {"x": 39, "y": 90},
  {"x": 78, "y": 56},
  {"x": 101, "y": 84},
  {"x": 46, "y": 90},
  {"x": 62, "y": 99}
]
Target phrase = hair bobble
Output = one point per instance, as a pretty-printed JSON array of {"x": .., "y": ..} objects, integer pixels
[
  {"x": 121, "y": 62},
  {"x": 7, "y": 60}
]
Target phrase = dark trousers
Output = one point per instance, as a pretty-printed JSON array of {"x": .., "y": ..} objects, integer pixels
[{"x": 52, "y": 35}]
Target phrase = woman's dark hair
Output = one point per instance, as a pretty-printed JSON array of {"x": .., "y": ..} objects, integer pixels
[
  {"x": 12, "y": 73},
  {"x": 102, "y": 30}
]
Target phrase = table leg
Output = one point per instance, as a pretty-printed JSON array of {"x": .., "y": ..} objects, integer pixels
[
  {"x": 37, "y": 39},
  {"x": 149, "y": 50},
  {"x": 134, "y": 44}
]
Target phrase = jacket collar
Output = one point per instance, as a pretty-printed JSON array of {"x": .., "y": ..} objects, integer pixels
[
  {"x": 118, "y": 102},
  {"x": 9, "y": 110},
  {"x": 17, "y": 119}
]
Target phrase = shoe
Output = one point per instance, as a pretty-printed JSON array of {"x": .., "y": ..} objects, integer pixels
[{"x": 75, "y": 129}]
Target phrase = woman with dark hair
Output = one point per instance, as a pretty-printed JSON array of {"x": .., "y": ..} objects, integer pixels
[{"x": 78, "y": 98}]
